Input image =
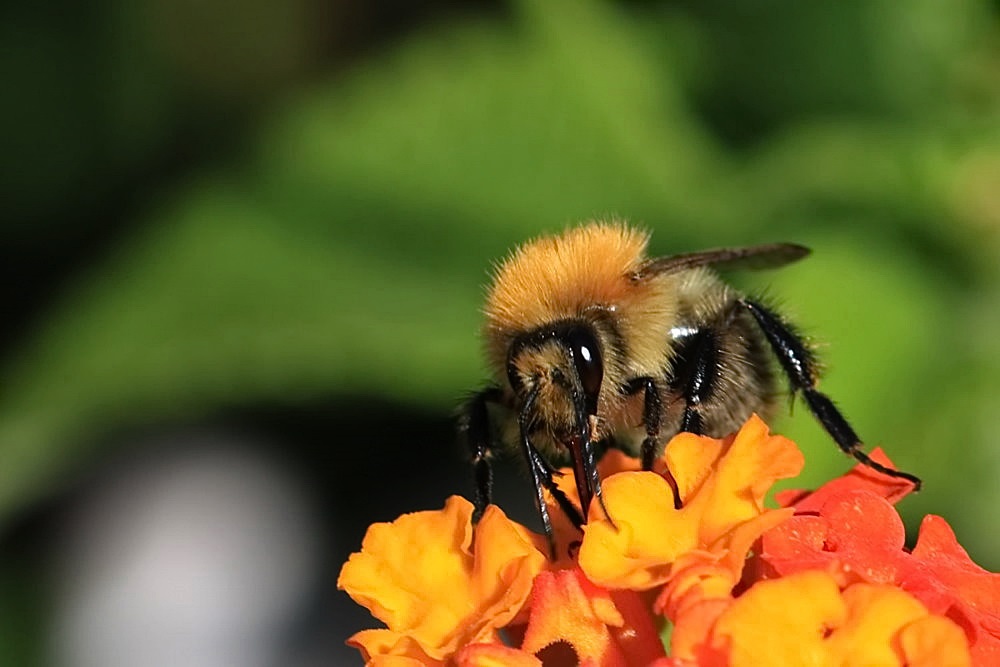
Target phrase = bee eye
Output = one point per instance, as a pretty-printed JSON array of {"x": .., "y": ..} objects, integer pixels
[{"x": 586, "y": 353}]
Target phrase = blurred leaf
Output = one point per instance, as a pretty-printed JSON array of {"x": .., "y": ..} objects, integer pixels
[
  {"x": 348, "y": 257},
  {"x": 778, "y": 61},
  {"x": 505, "y": 129},
  {"x": 218, "y": 304}
]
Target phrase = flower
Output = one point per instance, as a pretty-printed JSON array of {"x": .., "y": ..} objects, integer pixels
[
  {"x": 850, "y": 529},
  {"x": 722, "y": 484},
  {"x": 567, "y": 536},
  {"x": 806, "y": 619},
  {"x": 593, "y": 627},
  {"x": 495, "y": 655},
  {"x": 437, "y": 587},
  {"x": 823, "y": 580},
  {"x": 603, "y": 628}
]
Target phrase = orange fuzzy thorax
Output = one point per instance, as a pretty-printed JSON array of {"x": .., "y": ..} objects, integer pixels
[
  {"x": 564, "y": 276},
  {"x": 555, "y": 276}
]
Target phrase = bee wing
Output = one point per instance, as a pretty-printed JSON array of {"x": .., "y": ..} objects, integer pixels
[{"x": 767, "y": 256}]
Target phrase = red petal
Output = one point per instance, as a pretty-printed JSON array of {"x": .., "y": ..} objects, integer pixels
[{"x": 860, "y": 478}]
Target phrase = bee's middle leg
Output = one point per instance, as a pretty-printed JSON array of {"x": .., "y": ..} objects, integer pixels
[{"x": 652, "y": 418}]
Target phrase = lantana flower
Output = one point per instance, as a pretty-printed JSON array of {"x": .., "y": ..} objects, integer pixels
[
  {"x": 722, "y": 484},
  {"x": 849, "y": 528},
  {"x": 806, "y": 619},
  {"x": 437, "y": 584},
  {"x": 733, "y": 578}
]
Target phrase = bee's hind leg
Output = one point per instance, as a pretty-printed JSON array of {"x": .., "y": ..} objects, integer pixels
[{"x": 799, "y": 365}]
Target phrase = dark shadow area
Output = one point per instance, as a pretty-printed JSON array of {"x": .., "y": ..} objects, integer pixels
[{"x": 357, "y": 461}]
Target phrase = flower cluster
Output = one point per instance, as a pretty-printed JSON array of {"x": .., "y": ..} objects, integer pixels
[{"x": 824, "y": 579}]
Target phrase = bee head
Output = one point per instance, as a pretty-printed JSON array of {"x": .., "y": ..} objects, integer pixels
[{"x": 564, "y": 365}]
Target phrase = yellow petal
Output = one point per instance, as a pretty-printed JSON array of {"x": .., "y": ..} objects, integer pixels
[
  {"x": 781, "y": 621},
  {"x": 722, "y": 484},
  {"x": 934, "y": 641},
  {"x": 409, "y": 581},
  {"x": 875, "y": 613},
  {"x": 805, "y": 619},
  {"x": 647, "y": 535},
  {"x": 495, "y": 655},
  {"x": 744, "y": 469},
  {"x": 385, "y": 648},
  {"x": 420, "y": 577}
]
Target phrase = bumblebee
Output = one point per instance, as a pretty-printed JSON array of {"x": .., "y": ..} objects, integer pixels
[{"x": 592, "y": 344}]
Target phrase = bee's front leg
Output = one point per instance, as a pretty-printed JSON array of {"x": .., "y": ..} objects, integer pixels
[{"x": 475, "y": 426}]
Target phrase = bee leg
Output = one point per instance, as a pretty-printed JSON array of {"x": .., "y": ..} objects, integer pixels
[
  {"x": 799, "y": 365},
  {"x": 479, "y": 438},
  {"x": 547, "y": 474},
  {"x": 542, "y": 476},
  {"x": 652, "y": 418},
  {"x": 695, "y": 379},
  {"x": 696, "y": 375},
  {"x": 546, "y": 477}
]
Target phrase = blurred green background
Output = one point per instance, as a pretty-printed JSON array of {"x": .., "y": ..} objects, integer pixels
[{"x": 278, "y": 218}]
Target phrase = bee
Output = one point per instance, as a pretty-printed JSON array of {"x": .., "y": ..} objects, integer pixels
[{"x": 592, "y": 344}]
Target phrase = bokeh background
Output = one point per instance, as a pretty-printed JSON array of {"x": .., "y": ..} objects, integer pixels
[{"x": 244, "y": 246}]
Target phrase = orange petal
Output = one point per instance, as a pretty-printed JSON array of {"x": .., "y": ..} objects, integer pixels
[
  {"x": 943, "y": 575},
  {"x": 860, "y": 478},
  {"x": 422, "y": 578},
  {"x": 722, "y": 482},
  {"x": 647, "y": 535},
  {"x": 562, "y": 612},
  {"x": 692, "y": 628},
  {"x": 495, "y": 655},
  {"x": 805, "y": 619},
  {"x": 701, "y": 576},
  {"x": 672, "y": 662},
  {"x": 638, "y": 635},
  {"x": 858, "y": 535},
  {"x": 400, "y": 661},
  {"x": 604, "y": 629},
  {"x": 386, "y": 648},
  {"x": 782, "y": 619},
  {"x": 933, "y": 641}
]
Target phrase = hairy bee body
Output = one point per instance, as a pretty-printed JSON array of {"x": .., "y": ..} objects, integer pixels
[
  {"x": 644, "y": 328},
  {"x": 591, "y": 343}
]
